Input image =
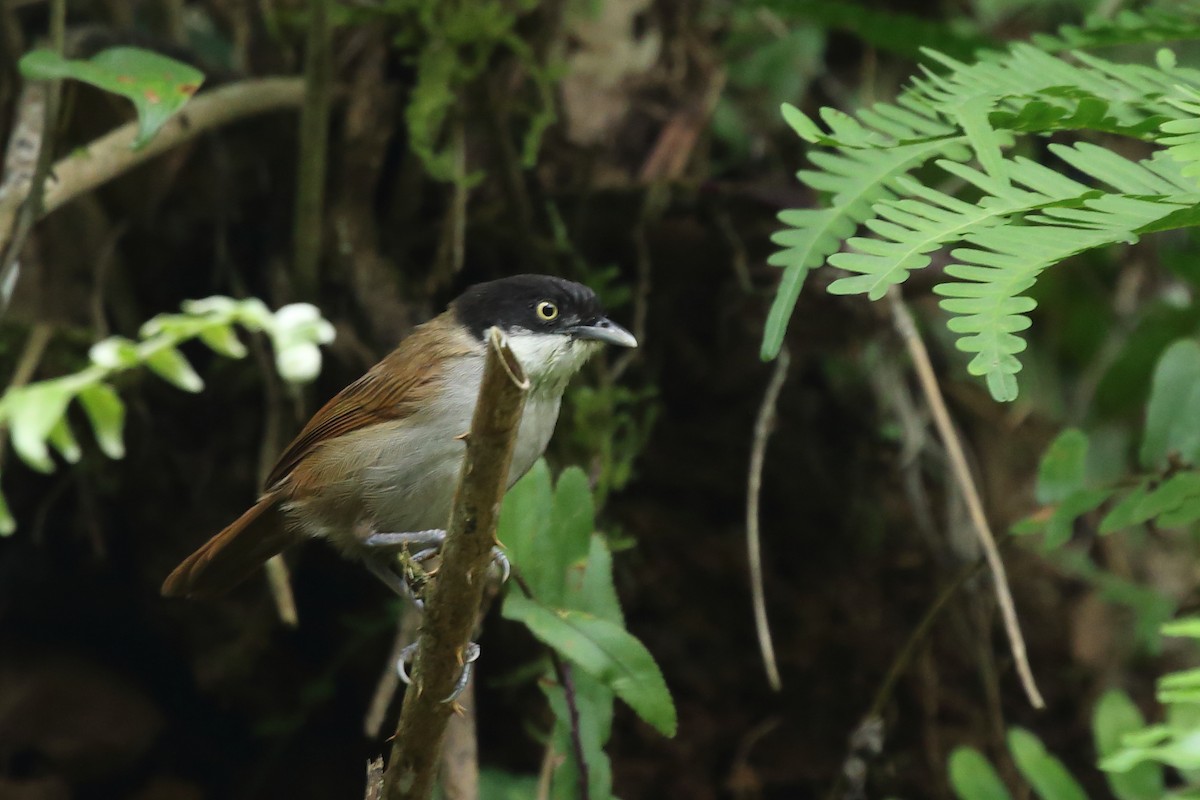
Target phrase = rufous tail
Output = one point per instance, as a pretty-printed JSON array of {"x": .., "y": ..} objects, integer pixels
[{"x": 234, "y": 554}]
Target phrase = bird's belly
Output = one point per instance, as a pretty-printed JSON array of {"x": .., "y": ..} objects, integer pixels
[{"x": 402, "y": 478}]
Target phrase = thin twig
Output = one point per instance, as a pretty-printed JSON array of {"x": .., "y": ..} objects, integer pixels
[
  {"x": 389, "y": 679},
  {"x": 15, "y": 229},
  {"x": 962, "y": 473},
  {"x": 111, "y": 155},
  {"x": 314, "y": 140},
  {"x": 905, "y": 656},
  {"x": 456, "y": 594},
  {"x": 762, "y": 433},
  {"x": 563, "y": 672}
]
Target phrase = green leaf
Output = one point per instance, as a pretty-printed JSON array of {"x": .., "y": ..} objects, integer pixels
[
  {"x": 1115, "y": 716},
  {"x": 573, "y": 519},
  {"x": 1170, "y": 496},
  {"x": 106, "y": 412},
  {"x": 973, "y": 778},
  {"x": 804, "y": 127},
  {"x": 8, "y": 525},
  {"x": 1061, "y": 526},
  {"x": 597, "y": 594},
  {"x": 64, "y": 441},
  {"x": 1173, "y": 391},
  {"x": 171, "y": 366},
  {"x": 157, "y": 85},
  {"x": 1125, "y": 513},
  {"x": 33, "y": 411},
  {"x": 524, "y": 530},
  {"x": 1063, "y": 467},
  {"x": 221, "y": 339},
  {"x": 1049, "y": 778},
  {"x": 1188, "y": 626},
  {"x": 604, "y": 650},
  {"x": 496, "y": 784}
]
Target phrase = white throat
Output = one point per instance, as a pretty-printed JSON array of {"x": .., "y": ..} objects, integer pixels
[{"x": 550, "y": 359}]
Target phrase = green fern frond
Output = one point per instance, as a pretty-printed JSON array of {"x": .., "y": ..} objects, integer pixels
[
  {"x": 1028, "y": 217},
  {"x": 1004, "y": 262},
  {"x": 911, "y": 228},
  {"x": 1183, "y": 141},
  {"x": 857, "y": 179},
  {"x": 1126, "y": 28}
]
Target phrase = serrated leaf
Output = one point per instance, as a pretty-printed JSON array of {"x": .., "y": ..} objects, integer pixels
[
  {"x": 1175, "y": 384},
  {"x": 604, "y": 650},
  {"x": 106, "y": 412},
  {"x": 1063, "y": 467},
  {"x": 1114, "y": 717},
  {"x": 169, "y": 364},
  {"x": 157, "y": 85},
  {"x": 597, "y": 594},
  {"x": 973, "y": 778},
  {"x": 524, "y": 530},
  {"x": 1045, "y": 773},
  {"x": 572, "y": 521}
]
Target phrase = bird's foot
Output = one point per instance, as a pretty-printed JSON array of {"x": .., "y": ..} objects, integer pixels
[
  {"x": 429, "y": 543},
  {"x": 467, "y": 658}
]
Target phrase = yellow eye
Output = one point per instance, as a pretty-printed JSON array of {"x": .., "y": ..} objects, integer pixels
[{"x": 547, "y": 310}]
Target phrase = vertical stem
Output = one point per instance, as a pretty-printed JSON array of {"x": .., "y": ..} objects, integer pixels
[
  {"x": 966, "y": 483},
  {"x": 314, "y": 140}
]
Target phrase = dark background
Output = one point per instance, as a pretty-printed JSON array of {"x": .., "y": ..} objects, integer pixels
[{"x": 109, "y": 691}]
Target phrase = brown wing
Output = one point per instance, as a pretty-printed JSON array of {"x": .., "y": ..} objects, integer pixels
[{"x": 392, "y": 389}]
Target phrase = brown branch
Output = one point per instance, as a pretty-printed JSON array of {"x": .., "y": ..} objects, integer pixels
[
  {"x": 15, "y": 229},
  {"x": 314, "y": 139},
  {"x": 966, "y": 483},
  {"x": 455, "y": 596},
  {"x": 111, "y": 155}
]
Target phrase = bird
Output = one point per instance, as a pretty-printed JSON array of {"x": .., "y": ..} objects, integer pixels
[{"x": 375, "y": 469}]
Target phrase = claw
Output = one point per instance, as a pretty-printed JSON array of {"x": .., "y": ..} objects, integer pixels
[
  {"x": 469, "y": 657},
  {"x": 406, "y": 655},
  {"x": 498, "y": 557}
]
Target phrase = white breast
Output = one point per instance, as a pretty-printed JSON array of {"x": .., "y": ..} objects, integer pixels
[{"x": 402, "y": 478}]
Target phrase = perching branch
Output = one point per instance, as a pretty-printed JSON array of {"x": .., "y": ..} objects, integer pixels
[
  {"x": 454, "y": 598},
  {"x": 110, "y": 155},
  {"x": 966, "y": 483}
]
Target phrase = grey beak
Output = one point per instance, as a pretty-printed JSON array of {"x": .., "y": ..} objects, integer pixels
[{"x": 605, "y": 330}]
